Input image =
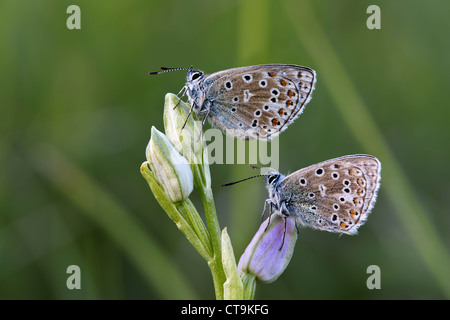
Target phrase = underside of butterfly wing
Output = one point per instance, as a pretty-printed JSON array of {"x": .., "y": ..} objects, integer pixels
[
  {"x": 257, "y": 102},
  {"x": 336, "y": 195}
]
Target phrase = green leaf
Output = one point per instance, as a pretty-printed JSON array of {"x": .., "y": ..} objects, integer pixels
[{"x": 233, "y": 289}]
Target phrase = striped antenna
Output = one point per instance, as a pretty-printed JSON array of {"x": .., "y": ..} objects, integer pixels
[
  {"x": 253, "y": 167},
  {"x": 164, "y": 70},
  {"x": 231, "y": 183}
]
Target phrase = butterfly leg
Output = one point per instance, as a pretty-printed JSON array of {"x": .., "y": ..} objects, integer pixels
[
  {"x": 182, "y": 89},
  {"x": 284, "y": 233},
  {"x": 264, "y": 209},
  {"x": 203, "y": 123},
  {"x": 189, "y": 114},
  {"x": 178, "y": 95},
  {"x": 205, "y": 117},
  {"x": 285, "y": 214},
  {"x": 296, "y": 227},
  {"x": 270, "y": 213}
]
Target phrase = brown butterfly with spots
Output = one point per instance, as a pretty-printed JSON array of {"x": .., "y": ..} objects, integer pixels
[
  {"x": 336, "y": 195},
  {"x": 256, "y": 102}
]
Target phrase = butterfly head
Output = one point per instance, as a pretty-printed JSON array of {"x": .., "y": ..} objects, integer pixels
[
  {"x": 193, "y": 76},
  {"x": 272, "y": 179}
]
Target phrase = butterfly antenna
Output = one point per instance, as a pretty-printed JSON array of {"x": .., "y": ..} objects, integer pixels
[
  {"x": 255, "y": 167},
  {"x": 165, "y": 70},
  {"x": 268, "y": 172},
  {"x": 231, "y": 183}
]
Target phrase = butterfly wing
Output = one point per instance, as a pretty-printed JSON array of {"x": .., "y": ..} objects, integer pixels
[
  {"x": 335, "y": 195},
  {"x": 258, "y": 102}
]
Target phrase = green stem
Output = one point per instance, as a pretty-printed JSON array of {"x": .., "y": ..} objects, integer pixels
[
  {"x": 215, "y": 264},
  {"x": 249, "y": 284},
  {"x": 174, "y": 214},
  {"x": 202, "y": 180},
  {"x": 188, "y": 209}
]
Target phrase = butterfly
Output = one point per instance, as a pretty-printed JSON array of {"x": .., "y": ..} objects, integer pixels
[
  {"x": 255, "y": 102},
  {"x": 336, "y": 195}
]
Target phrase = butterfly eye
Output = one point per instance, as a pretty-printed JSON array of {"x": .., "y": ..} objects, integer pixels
[
  {"x": 272, "y": 179},
  {"x": 195, "y": 76}
]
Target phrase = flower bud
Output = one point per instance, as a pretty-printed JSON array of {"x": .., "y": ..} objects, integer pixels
[
  {"x": 169, "y": 167},
  {"x": 270, "y": 250},
  {"x": 232, "y": 287},
  {"x": 185, "y": 139}
]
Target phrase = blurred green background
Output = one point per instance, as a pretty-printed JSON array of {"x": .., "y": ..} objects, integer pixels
[{"x": 77, "y": 107}]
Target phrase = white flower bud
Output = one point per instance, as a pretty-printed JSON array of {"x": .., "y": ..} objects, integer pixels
[
  {"x": 186, "y": 140},
  {"x": 169, "y": 167}
]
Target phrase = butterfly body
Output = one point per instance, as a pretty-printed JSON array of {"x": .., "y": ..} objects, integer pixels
[
  {"x": 256, "y": 102},
  {"x": 336, "y": 195}
]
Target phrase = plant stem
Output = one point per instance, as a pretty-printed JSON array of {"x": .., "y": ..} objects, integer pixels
[
  {"x": 174, "y": 214},
  {"x": 249, "y": 284},
  {"x": 215, "y": 264}
]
